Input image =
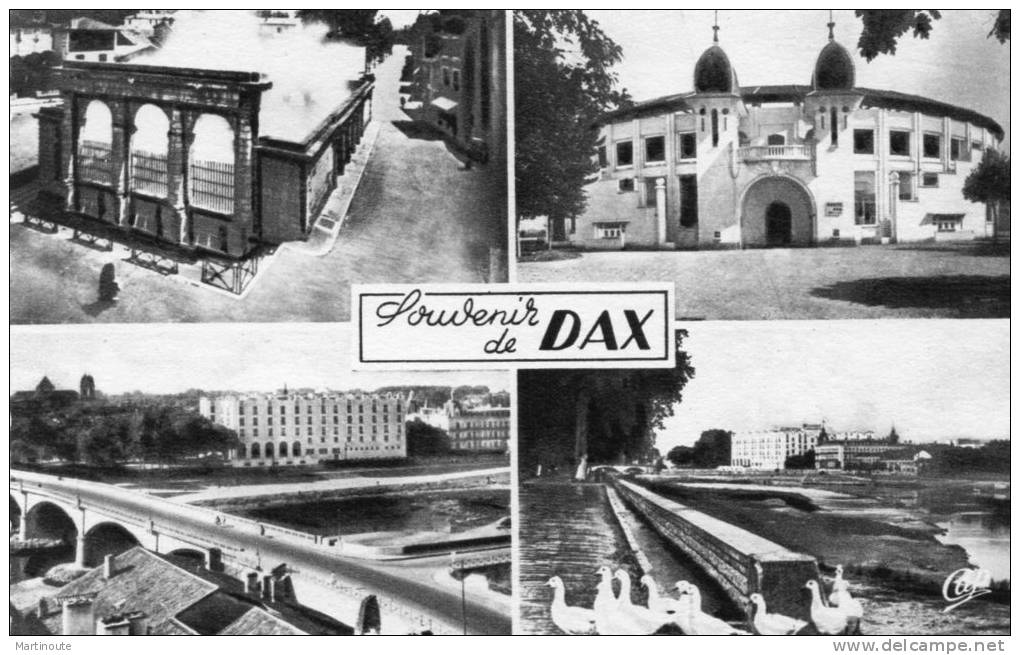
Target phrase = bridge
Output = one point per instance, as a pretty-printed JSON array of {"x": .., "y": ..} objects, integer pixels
[{"x": 100, "y": 519}]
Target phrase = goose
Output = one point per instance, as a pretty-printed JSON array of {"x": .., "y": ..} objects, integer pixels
[
  {"x": 828, "y": 620},
  {"x": 663, "y": 604},
  {"x": 770, "y": 624},
  {"x": 571, "y": 620},
  {"x": 834, "y": 597},
  {"x": 849, "y": 605},
  {"x": 605, "y": 602},
  {"x": 641, "y": 620},
  {"x": 698, "y": 622}
]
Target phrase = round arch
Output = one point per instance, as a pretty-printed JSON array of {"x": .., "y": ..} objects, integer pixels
[
  {"x": 46, "y": 520},
  {"x": 107, "y": 538},
  {"x": 777, "y": 211},
  {"x": 150, "y": 145},
  {"x": 256, "y": 452},
  {"x": 283, "y": 449},
  {"x": 97, "y": 126}
]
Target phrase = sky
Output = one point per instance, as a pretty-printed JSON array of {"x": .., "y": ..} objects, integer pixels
[
  {"x": 957, "y": 64},
  {"x": 933, "y": 379},
  {"x": 215, "y": 357}
]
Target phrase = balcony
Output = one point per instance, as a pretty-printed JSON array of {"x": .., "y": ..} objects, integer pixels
[{"x": 801, "y": 152}]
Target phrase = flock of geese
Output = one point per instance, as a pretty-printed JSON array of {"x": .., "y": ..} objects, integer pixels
[{"x": 616, "y": 614}]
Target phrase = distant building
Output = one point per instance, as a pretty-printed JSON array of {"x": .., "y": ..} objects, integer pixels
[
  {"x": 142, "y": 593},
  {"x": 480, "y": 429},
  {"x": 30, "y": 33},
  {"x": 458, "y": 85},
  {"x": 302, "y": 428},
  {"x": 87, "y": 39},
  {"x": 278, "y": 21},
  {"x": 87, "y": 387},
  {"x": 148, "y": 20},
  {"x": 769, "y": 449},
  {"x": 44, "y": 397}
]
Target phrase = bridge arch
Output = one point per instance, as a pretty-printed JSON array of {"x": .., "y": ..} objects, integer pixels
[
  {"x": 46, "y": 520},
  {"x": 14, "y": 514},
  {"x": 107, "y": 538}
]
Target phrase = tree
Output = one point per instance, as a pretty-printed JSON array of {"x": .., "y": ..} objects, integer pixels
[
  {"x": 882, "y": 28},
  {"x": 802, "y": 461},
  {"x": 713, "y": 448},
  {"x": 563, "y": 75},
  {"x": 989, "y": 182},
  {"x": 363, "y": 26},
  {"x": 681, "y": 455},
  {"x": 608, "y": 416},
  {"x": 425, "y": 439}
]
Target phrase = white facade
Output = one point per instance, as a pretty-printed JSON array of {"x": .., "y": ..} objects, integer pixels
[
  {"x": 289, "y": 429},
  {"x": 769, "y": 449},
  {"x": 481, "y": 428},
  {"x": 145, "y": 21},
  {"x": 29, "y": 39},
  {"x": 824, "y": 163}
]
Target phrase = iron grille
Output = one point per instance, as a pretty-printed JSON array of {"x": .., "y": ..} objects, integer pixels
[
  {"x": 94, "y": 159},
  {"x": 212, "y": 186},
  {"x": 149, "y": 173}
]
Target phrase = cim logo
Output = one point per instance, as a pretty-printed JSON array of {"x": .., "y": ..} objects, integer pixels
[{"x": 965, "y": 584}]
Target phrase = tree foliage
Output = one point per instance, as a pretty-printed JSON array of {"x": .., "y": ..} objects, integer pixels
[
  {"x": 609, "y": 416},
  {"x": 883, "y": 28},
  {"x": 989, "y": 181},
  {"x": 103, "y": 435},
  {"x": 425, "y": 439},
  {"x": 712, "y": 449},
  {"x": 802, "y": 461},
  {"x": 363, "y": 26},
  {"x": 564, "y": 81}
]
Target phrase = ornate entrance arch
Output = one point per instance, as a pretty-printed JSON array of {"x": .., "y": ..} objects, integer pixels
[{"x": 777, "y": 211}]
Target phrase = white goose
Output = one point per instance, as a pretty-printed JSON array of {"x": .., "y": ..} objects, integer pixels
[
  {"x": 698, "y": 622},
  {"x": 828, "y": 620},
  {"x": 641, "y": 620},
  {"x": 605, "y": 603},
  {"x": 834, "y": 596},
  {"x": 849, "y": 605},
  {"x": 571, "y": 620},
  {"x": 770, "y": 624},
  {"x": 663, "y": 604}
]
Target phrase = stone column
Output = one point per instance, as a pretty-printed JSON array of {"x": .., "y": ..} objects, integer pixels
[
  {"x": 660, "y": 210},
  {"x": 894, "y": 198},
  {"x": 23, "y": 520},
  {"x": 73, "y": 115},
  {"x": 244, "y": 160},
  {"x": 79, "y": 551},
  {"x": 119, "y": 157},
  {"x": 176, "y": 170}
]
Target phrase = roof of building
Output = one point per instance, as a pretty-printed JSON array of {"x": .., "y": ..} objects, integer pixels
[
  {"x": 713, "y": 73},
  {"x": 178, "y": 599},
  {"x": 834, "y": 68},
  {"x": 84, "y": 23},
  {"x": 797, "y": 93}
]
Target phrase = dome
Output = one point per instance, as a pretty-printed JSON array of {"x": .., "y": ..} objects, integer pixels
[
  {"x": 713, "y": 73},
  {"x": 834, "y": 68}
]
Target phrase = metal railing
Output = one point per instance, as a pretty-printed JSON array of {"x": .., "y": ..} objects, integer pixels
[
  {"x": 94, "y": 162},
  {"x": 762, "y": 153},
  {"x": 149, "y": 173},
  {"x": 212, "y": 186}
]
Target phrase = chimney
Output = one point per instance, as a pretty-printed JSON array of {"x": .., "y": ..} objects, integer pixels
[
  {"x": 251, "y": 584},
  {"x": 77, "y": 616},
  {"x": 272, "y": 590},
  {"x": 42, "y": 607},
  {"x": 108, "y": 567},
  {"x": 138, "y": 623},
  {"x": 115, "y": 625},
  {"x": 267, "y": 583}
]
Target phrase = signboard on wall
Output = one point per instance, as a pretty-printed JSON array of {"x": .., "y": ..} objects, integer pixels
[{"x": 833, "y": 209}]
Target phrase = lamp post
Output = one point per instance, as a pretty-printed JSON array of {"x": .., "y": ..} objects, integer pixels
[{"x": 455, "y": 566}]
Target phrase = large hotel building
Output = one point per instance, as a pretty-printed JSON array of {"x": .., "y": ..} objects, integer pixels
[{"x": 295, "y": 428}]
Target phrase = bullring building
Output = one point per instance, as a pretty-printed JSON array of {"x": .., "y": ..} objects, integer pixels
[
  {"x": 296, "y": 428},
  {"x": 828, "y": 162}
]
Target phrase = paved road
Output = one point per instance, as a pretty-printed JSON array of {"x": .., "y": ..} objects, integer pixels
[{"x": 427, "y": 599}]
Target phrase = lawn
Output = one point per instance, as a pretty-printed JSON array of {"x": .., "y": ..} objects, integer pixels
[{"x": 950, "y": 280}]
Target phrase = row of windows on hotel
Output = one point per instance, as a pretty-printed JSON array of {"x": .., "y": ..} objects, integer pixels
[
  {"x": 863, "y": 139},
  {"x": 308, "y": 419},
  {"x": 257, "y": 451},
  {"x": 308, "y": 408},
  {"x": 309, "y": 431}
]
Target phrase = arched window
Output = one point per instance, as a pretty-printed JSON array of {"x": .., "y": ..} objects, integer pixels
[
  {"x": 211, "y": 165},
  {"x": 149, "y": 147},
  {"x": 777, "y": 140},
  {"x": 715, "y": 127},
  {"x": 296, "y": 448},
  {"x": 834, "y": 126},
  {"x": 95, "y": 144},
  {"x": 269, "y": 449},
  {"x": 256, "y": 452},
  {"x": 283, "y": 449}
]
